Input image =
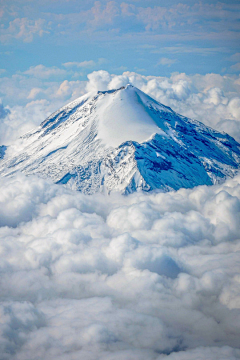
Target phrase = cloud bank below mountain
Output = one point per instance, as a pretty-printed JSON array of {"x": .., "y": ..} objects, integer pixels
[{"x": 148, "y": 276}]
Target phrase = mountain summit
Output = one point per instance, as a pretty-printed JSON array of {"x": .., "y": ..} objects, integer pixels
[{"x": 123, "y": 140}]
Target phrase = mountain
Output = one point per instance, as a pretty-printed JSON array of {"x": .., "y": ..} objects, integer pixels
[{"x": 122, "y": 140}]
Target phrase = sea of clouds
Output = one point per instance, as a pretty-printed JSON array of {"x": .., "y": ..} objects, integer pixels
[{"x": 141, "y": 277}]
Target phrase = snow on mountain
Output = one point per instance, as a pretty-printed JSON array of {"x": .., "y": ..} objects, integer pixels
[{"x": 123, "y": 140}]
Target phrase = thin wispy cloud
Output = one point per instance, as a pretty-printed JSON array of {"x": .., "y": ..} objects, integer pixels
[
  {"x": 115, "y": 29},
  {"x": 41, "y": 71},
  {"x": 166, "y": 61},
  {"x": 23, "y": 29},
  {"x": 82, "y": 64}
]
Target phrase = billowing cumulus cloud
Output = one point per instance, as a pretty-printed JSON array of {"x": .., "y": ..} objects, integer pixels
[
  {"x": 18, "y": 120},
  {"x": 149, "y": 276}
]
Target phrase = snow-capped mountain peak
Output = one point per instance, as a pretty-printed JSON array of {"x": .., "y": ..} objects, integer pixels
[{"x": 123, "y": 140}]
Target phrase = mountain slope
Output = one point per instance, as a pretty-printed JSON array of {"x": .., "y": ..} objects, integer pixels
[{"x": 123, "y": 140}]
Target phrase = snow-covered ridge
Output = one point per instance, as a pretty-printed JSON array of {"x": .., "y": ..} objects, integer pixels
[{"x": 123, "y": 140}]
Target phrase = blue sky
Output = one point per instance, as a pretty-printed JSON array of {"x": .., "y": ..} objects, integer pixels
[{"x": 149, "y": 37}]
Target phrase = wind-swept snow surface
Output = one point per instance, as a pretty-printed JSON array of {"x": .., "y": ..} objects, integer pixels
[
  {"x": 125, "y": 116},
  {"x": 138, "y": 277},
  {"x": 123, "y": 140}
]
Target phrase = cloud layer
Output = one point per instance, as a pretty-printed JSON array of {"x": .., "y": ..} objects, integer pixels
[{"x": 148, "y": 276}]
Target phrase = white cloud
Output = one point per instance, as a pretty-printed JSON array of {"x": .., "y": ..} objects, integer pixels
[
  {"x": 230, "y": 127},
  {"x": 235, "y": 57},
  {"x": 3, "y": 111},
  {"x": 91, "y": 276},
  {"x": 234, "y": 107},
  {"x": 34, "y": 93},
  {"x": 64, "y": 89},
  {"x": 98, "y": 80},
  {"x": 166, "y": 61},
  {"x": 23, "y": 29},
  {"x": 113, "y": 277},
  {"x": 41, "y": 71},
  {"x": 40, "y": 98},
  {"x": 89, "y": 63},
  {"x": 236, "y": 67},
  {"x": 99, "y": 15},
  {"x": 20, "y": 119}
]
